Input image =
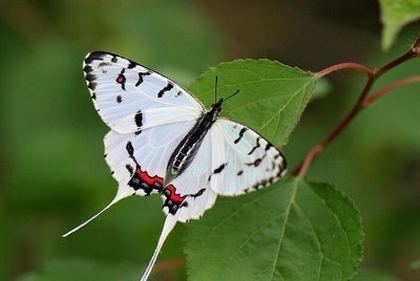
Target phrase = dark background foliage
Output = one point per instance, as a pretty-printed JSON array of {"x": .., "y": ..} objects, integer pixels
[{"x": 52, "y": 173}]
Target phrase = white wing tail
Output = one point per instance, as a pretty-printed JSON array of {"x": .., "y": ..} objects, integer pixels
[
  {"x": 138, "y": 160},
  {"x": 167, "y": 228},
  {"x": 121, "y": 194}
]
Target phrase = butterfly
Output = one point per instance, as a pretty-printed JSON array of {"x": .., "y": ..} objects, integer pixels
[{"x": 164, "y": 141}]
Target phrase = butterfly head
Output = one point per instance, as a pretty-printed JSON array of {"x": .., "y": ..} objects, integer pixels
[{"x": 217, "y": 106}]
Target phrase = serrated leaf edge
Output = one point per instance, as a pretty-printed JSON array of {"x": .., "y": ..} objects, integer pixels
[
  {"x": 352, "y": 204},
  {"x": 248, "y": 60}
]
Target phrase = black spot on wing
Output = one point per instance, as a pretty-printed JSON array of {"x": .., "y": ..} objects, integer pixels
[
  {"x": 90, "y": 77},
  {"x": 141, "y": 77},
  {"x": 87, "y": 69},
  {"x": 114, "y": 59},
  {"x": 93, "y": 96},
  {"x": 92, "y": 85},
  {"x": 199, "y": 193},
  {"x": 138, "y": 118},
  {"x": 240, "y": 172},
  {"x": 219, "y": 169},
  {"x": 131, "y": 65},
  {"x": 256, "y": 146},
  {"x": 268, "y": 146},
  {"x": 167, "y": 88},
  {"x": 102, "y": 64},
  {"x": 119, "y": 99},
  {"x": 129, "y": 168},
  {"x": 241, "y": 134},
  {"x": 98, "y": 55},
  {"x": 137, "y": 132},
  {"x": 130, "y": 148}
]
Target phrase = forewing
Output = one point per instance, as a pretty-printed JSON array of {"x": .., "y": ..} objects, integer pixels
[
  {"x": 242, "y": 160},
  {"x": 139, "y": 160},
  {"x": 130, "y": 97}
]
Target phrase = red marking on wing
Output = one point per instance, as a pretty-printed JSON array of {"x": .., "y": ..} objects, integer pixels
[
  {"x": 148, "y": 179},
  {"x": 176, "y": 198},
  {"x": 120, "y": 79}
]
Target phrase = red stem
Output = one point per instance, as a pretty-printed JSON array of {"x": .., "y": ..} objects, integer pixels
[
  {"x": 346, "y": 65},
  {"x": 388, "y": 88},
  {"x": 362, "y": 102}
]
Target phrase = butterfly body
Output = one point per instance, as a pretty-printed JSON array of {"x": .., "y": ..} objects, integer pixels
[
  {"x": 186, "y": 150},
  {"x": 163, "y": 141}
]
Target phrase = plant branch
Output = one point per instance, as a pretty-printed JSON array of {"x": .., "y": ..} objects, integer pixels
[
  {"x": 345, "y": 65},
  {"x": 362, "y": 102},
  {"x": 388, "y": 88}
]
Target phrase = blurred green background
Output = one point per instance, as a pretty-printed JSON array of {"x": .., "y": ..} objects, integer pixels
[{"x": 52, "y": 172}]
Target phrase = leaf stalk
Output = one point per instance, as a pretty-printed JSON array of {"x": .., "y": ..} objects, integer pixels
[{"x": 363, "y": 101}]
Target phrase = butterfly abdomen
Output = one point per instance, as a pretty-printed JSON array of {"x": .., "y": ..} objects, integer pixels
[{"x": 185, "y": 152}]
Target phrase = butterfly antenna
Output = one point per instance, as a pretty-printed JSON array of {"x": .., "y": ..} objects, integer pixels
[
  {"x": 232, "y": 95},
  {"x": 215, "y": 89},
  {"x": 167, "y": 228},
  {"x": 122, "y": 193}
]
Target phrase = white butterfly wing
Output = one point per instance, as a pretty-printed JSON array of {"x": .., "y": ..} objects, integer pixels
[
  {"x": 148, "y": 114},
  {"x": 242, "y": 160},
  {"x": 130, "y": 97},
  {"x": 139, "y": 160}
]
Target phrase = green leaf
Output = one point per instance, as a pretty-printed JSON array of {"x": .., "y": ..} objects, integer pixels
[
  {"x": 272, "y": 95},
  {"x": 395, "y": 15},
  {"x": 373, "y": 276},
  {"x": 83, "y": 270},
  {"x": 294, "y": 230}
]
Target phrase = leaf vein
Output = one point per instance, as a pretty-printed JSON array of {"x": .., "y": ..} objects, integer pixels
[{"x": 283, "y": 228}]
